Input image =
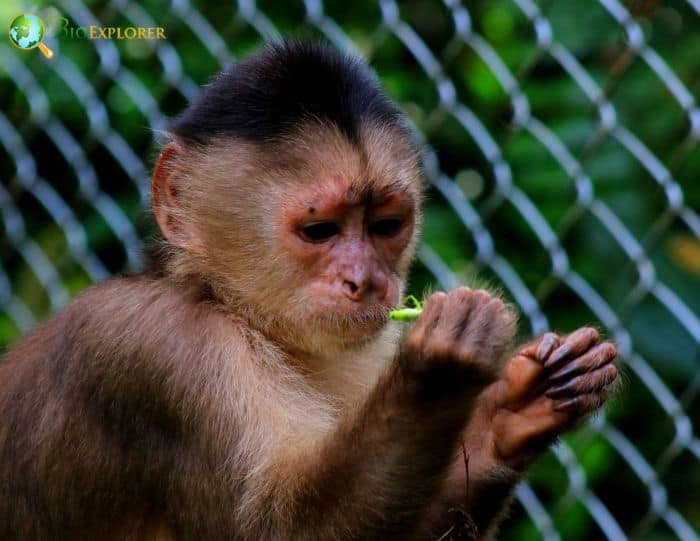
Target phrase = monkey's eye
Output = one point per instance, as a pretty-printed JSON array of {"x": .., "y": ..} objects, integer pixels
[
  {"x": 386, "y": 227},
  {"x": 319, "y": 231}
]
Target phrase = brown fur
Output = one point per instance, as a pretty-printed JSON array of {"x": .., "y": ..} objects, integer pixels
[{"x": 224, "y": 397}]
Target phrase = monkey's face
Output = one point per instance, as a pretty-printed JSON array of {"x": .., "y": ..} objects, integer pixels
[
  {"x": 347, "y": 228},
  {"x": 346, "y": 246},
  {"x": 312, "y": 234}
]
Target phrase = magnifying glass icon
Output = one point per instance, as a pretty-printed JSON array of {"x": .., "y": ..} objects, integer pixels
[{"x": 27, "y": 32}]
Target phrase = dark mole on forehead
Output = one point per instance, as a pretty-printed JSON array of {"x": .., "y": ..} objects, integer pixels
[{"x": 312, "y": 210}]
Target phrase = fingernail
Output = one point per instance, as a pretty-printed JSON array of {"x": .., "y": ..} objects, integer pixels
[
  {"x": 556, "y": 392},
  {"x": 563, "y": 405},
  {"x": 562, "y": 373},
  {"x": 561, "y": 353},
  {"x": 545, "y": 349}
]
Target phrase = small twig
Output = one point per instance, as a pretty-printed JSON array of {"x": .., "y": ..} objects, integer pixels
[{"x": 465, "y": 529}]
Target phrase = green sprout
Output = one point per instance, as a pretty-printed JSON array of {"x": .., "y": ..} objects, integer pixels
[{"x": 412, "y": 309}]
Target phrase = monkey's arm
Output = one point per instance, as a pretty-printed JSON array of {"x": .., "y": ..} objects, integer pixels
[
  {"x": 377, "y": 471},
  {"x": 547, "y": 388}
]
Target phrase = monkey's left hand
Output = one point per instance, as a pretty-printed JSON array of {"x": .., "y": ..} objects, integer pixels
[{"x": 547, "y": 387}]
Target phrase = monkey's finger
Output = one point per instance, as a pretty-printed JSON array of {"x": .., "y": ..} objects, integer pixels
[
  {"x": 585, "y": 383},
  {"x": 582, "y": 404},
  {"x": 432, "y": 309},
  {"x": 594, "y": 358},
  {"x": 543, "y": 343},
  {"x": 547, "y": 344},
  {"x": 417, "y": 335},
  {"x": 574, "y": 345},
  {"x": 482, "y": 315},
  {"x": 477, "y": 330},
  {"x": 458, "y": 307}
]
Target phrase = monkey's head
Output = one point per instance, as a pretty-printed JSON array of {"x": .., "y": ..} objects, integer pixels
[{"x": 291, "y": 187}]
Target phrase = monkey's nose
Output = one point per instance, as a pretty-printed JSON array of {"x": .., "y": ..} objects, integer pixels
[{"x": 352, "y": 290}]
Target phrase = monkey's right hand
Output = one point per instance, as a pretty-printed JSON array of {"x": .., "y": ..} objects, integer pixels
[{"x": 458, "y": 341}]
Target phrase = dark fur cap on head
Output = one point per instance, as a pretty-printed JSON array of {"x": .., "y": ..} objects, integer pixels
[{"x": 268, "y": 93}]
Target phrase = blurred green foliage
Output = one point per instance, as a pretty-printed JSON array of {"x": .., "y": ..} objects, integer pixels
[{"x": 641, "y": 101}]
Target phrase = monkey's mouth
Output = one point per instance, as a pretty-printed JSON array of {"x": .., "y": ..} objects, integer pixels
[{"x": 364, "y": 321}]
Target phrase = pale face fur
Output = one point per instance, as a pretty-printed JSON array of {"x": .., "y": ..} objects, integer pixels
[{"x": 242, "y": 208}]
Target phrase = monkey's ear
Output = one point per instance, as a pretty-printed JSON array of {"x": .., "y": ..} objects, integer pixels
[{"x": 164, "y": 197}]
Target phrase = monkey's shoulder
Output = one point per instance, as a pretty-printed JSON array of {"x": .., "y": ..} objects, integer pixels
[
  {"x": 124, "y": 320},
  {"x": 136, "y": 292}
]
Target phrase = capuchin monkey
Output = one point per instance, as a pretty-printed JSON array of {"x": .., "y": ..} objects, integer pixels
[{"x": 249, "y": 385}]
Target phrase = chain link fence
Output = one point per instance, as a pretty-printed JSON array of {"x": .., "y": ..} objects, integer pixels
[{"x": 563, "y": 161}]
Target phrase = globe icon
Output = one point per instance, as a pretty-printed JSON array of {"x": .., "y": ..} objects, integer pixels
[{"x": 27, "y": 32}]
